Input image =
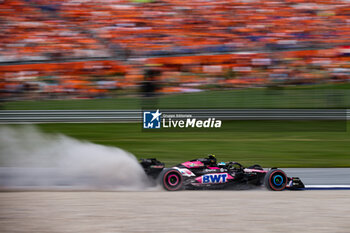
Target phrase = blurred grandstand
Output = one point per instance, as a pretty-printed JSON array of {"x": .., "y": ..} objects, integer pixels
[{"x": 59, "y": 49}]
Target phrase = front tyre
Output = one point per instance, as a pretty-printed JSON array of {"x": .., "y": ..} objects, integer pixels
[
  {"x": 171, "y": 179},
  {"x": 276, "y": 180}
]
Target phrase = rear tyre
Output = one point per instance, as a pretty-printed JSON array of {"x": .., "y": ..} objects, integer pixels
[
  {"x": 276, "y": 180},
  {"x": 171, "y": 179}
]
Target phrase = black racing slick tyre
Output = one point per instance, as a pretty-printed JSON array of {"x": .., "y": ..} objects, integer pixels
[
  {"x": 276, "y": 180},
  {"x": 171, "y": 179}
]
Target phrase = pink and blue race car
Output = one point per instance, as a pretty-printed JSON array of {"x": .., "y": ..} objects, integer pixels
[{"x": 206, "y": 173}]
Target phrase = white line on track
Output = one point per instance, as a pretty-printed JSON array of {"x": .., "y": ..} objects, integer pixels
[{"x": 327, "y": 187}]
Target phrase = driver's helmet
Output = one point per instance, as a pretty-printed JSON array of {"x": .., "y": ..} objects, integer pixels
[{"x": 212, "y": 159}]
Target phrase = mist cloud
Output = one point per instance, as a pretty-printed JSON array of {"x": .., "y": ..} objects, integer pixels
[{"x": 31, "y": 158}]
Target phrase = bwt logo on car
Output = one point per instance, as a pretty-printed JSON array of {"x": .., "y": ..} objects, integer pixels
[{"x": 214, "y": 178}]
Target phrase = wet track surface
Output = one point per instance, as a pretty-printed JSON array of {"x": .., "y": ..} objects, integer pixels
[{"x": 321, "y": 176}]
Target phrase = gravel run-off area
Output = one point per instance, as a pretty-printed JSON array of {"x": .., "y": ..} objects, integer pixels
[{"x": 184, "y": 211}]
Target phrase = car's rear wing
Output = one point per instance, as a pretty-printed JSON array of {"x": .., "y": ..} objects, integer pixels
[{"x": 152, "y": 167}]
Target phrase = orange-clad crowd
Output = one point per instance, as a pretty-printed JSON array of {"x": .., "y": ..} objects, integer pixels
[
  {"x": 28, "y": 33},
  {"x": 196, "y": 44},
  {"x": 182, "y": 26},
  {"x": 88, "y": 79}
]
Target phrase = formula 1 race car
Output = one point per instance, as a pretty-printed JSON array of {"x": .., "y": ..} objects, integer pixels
[{"x": 206, "y": 173}]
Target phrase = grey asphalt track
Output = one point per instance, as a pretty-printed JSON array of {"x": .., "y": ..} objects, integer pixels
[{"x": 321, "y": 176}]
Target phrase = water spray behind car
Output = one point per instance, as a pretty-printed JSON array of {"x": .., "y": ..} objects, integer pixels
[{"x": 31, "y": 159}]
